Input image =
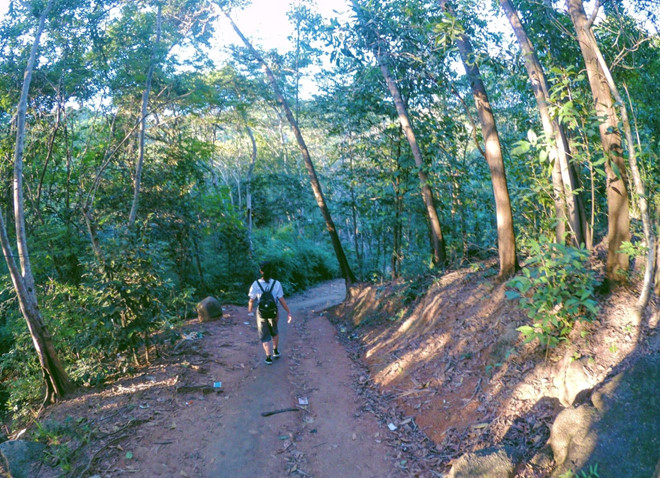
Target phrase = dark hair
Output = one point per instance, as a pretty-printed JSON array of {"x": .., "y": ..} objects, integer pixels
[{"x": 266, "y": 270}]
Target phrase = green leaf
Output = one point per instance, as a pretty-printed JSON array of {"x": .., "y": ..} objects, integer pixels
[
  {"x": 520, "y": 148},
  {"x": 525, "y": 329}
]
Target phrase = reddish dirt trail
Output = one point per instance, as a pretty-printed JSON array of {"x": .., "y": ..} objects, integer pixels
[
  {"x": 162, "y": 422},
  {"x": 327, "y": 438}
]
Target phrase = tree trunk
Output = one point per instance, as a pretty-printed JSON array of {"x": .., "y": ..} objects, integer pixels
[
  {"x": 435, "y": 230},
  {"x": 569, "y": 205},
  {"x": 617, "y": 178},
  {"x": 316, "y": 185},
  {"x": 55, "y": 378},
  {"x": 506, "y": 240},
  {"x": 437, "y": 239},
  {"x": 647, "y": 285},
  {"x": 657, "y": 270},
  {"x": 143, "y": 122},
  {"x": 248, "y": 181}
]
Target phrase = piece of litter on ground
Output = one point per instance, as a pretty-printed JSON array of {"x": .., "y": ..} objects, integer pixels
[
  {"x": 391, "y": 426},
  {"x": 303, "y": 401},
  {"x": 246, "y": 323},
  {"x": 217, "y": 384}
]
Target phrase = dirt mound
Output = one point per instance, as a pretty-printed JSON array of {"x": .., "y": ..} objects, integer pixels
[{"x": 447, "y": 351}]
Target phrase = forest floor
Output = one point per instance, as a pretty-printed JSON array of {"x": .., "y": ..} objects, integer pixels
[{"x": 393, "y": 383}]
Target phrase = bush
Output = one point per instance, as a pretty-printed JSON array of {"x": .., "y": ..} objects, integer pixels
[
  {"x": 297, "y": 262},
  {"x": 556, "y": 290}
]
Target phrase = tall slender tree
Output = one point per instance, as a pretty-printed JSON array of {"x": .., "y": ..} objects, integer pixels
[
  {"x": 615, "y": 166},
  {"x": 506, "y": 240},
  {"x": 55, "y": 377},
  {"x": 380, "y": 52},
  {"x": 345, "y": 268},
  {"x": 143, "y": 117},
  {"x": 567, "y": 182}
]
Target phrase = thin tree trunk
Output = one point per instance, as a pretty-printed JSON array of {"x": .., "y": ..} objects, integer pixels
[
  {"x": 435, "y": 229},
  {"x": 316, "y": 185},
  {"x": 55, "y": 377},
  {"x": 143, "y": 122},
  {"x": 657, "y": 269},
  {"x": 248, "y": 181},
  {"x": 617, "y": 178},
  {"x": 647, "y": 286},
  {"x": 506, "y": 240},
  {"x": 569, "y": 205}
]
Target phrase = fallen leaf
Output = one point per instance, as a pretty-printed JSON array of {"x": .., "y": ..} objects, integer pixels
[{"x": 480, "y": 425}]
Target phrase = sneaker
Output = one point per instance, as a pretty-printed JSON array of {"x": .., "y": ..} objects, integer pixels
[
  {"x": 269, "y": 361},
  {"x": 276, "y": 353}
]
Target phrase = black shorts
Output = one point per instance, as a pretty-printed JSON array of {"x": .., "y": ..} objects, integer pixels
[{"x": 267, "y": 328}]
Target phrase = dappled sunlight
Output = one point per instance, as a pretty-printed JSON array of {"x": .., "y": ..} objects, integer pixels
[
  {"x": 397, "y": 369},
  {"x": 456, "y": 363},
  {"x": 121, "y": 390}
]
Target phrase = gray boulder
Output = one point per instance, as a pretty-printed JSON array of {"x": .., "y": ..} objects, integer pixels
[
  {"x": 19, "y": 456},
  {"x": 489, "y": 463},
  {"x": 572, "y": 378},
  {"x": 209, "y": 309},
  {"x": 620, "y": 433}
]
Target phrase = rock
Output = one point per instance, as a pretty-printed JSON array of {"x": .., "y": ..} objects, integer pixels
[
  {"x": 19, "y": 456},
  {"x": 543, "y": 459},
  {"x": 489, "y": 463},
  {"x": 571, "y": 379},
  {"x": 209, "y": 309},
  {"x": 620, "y": 433}
]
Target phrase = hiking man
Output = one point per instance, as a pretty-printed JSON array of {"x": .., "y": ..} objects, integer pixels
[{"x": 266, "y": 292}]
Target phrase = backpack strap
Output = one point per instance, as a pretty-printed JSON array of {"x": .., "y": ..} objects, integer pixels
[{"x": 262, "y": 289}]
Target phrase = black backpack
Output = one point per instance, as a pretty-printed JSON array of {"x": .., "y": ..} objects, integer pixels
[{"x": 267, "y": 305}]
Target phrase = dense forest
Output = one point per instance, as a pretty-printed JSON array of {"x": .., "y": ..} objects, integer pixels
[{"x": 143, "y": 170}]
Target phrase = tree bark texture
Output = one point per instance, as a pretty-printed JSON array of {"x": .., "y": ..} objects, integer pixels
[
  {"x": 647, "y": 285},
  {"x": 56, "y": 380},
  {"x": 617, "y": 178},
  {"x": 506, "y": 240},
  {"x": 569, "y": 205},
  {"x": 316, "y": 185}
]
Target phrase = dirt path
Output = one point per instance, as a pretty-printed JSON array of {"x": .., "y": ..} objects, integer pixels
[
  {"x": 170, "y": 421},
  {"x": 329, "y": 437}
]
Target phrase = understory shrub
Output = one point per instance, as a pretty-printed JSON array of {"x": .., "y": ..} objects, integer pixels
[
  {"x": 298, "y": 262},
  {"x": 556, "y": 289}
]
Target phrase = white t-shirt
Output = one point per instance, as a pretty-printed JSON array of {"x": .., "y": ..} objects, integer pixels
[{"x": 255, "y": 291}]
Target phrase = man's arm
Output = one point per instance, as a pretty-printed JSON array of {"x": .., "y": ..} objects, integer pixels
[{"x": 286, "y": 307}]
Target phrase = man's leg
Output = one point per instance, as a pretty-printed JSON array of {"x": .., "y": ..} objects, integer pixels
[{"x": 268, "y": 347}]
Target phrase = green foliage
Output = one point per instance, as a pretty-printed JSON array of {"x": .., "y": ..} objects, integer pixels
[
  {"x": 298, "y": 262},
  {"x": 63, "y": 440},
  {"x": 556, "y": 290},
  {"x": 592, "y": 472}
]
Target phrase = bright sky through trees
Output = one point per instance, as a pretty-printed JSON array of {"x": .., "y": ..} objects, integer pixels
[{"x": 265, "y": 22}]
